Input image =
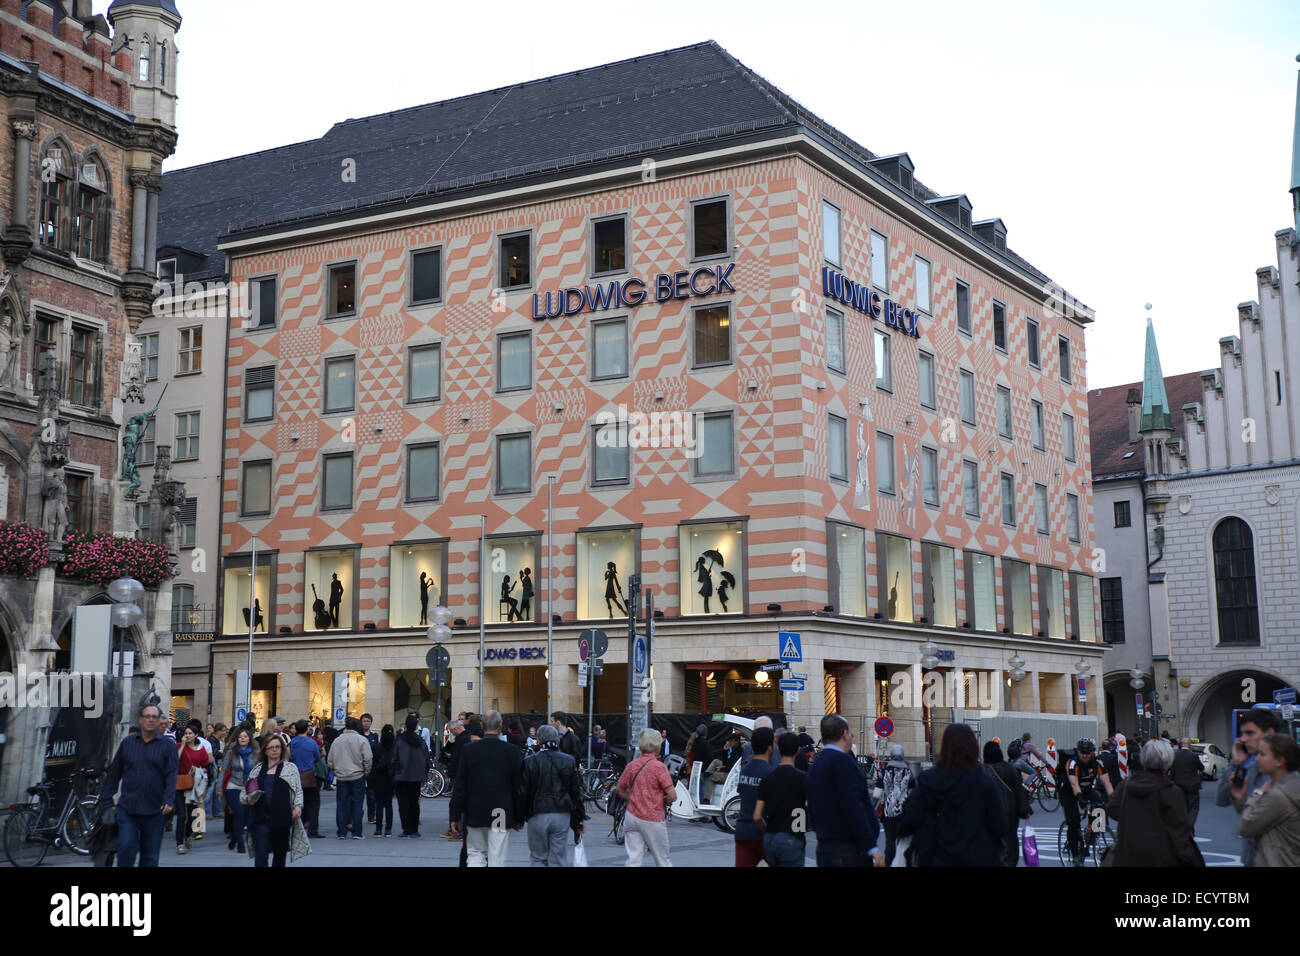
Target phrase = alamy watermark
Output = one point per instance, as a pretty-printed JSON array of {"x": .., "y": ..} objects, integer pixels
[
  {"x": 50, "y": 689},
  {"x": 648, "y": 430}
]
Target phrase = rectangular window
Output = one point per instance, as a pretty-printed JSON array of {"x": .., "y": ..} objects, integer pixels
[
  {"x": 81, "y": 367},
  {"x": 713, "y": 335},
  {"x": 963, "y": 308},
  {"x": 930, "y": 476},
  {"x": 1081, "y": 607},
  {"x": 610, "y": 455},
  {"x": 147, "y": 438},
  {"x": 514, "y": 361},
  {"x": 1072, "y": 516},
  {"x": 514, "y": 463},
  {"x": 999, "y": 326},
  {"x": 516, "y": 261},
  {"x": 967, "y": 397},
  {"x": 1015, "y": 583},
  {"x": 884, "y": 367},
  {"x": 166, "y": 269},
  {"x": 78, "y": 507},
  {"x": 257, "y": 488},
  {"x": 426, "y": 276},
  {"x": 187, "y": 523},
  {"x": 1067, "y": 435},
  {"x": 87, "y": 214},
  {"x": 336, "y": 486},
  {"x": 709, "y": 228},
  {"x": 837, "y": 444},
  {"x": 970, "y": 487},
  {"x": 940, "y": 583},
  {"x": 925, "y": 378},
  {"x": 1063, "y": 344},
  {"x": 142, "y": 521},
  {"x": 609, "y": 245},
  {"x": 422, "y": 471},
  {"x": 424, "y": 374},
  {"x": 187, "y": 436},
  {"x": 259, "y": 394},
  {"x": 343, "y": 290},
  {"x": 1112, "y": 610},
  {"x": 1122, "y": 517},
  {"x": 894, "y": 565},
  {"x": 885, "y": 463},
  {"x": 1008, "y": 484},
  {"x": 1039, "y": 439},
  {"x": 263, "y": 303},
  {"x": 847, "y": 585},
  {"x": 1031, "y": 331},
  {"x": 831, "y": 233},
  {"x": 1040, "y": 509},
  {"x": 879, "y": 261},
  {"x": 923, "y": 284},
  {"x": 47, "y": 333},
  {"x": 51, "y": 210},
  {"x": 981, "y": 592},
  {"x": 716, "y": 452},
  {"x": 1004, "y": 411},
  {"x": 189, "y": 350},
  {"x": 609, "y": 349},
  {"x": 1051, "y": 601},
  {"x": 149, "y": 355},
  {"x": 340, "y": 384},
  {"x": 835, "y": 340}
]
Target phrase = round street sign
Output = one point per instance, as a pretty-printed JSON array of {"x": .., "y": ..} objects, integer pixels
[
  {"x": 584, "y": 650},
  {"x": 241, "y": 715},
  {"x": 437, "y": 658},
  {"x": 597, "y": 643},
  {"x": 884, "y": 726}
]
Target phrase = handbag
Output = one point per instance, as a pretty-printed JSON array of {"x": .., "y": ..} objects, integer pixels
[
  {"x": 308, "y": 778},
  {"x": 185, "y": 781},
  {"x": 1029, "y": 844},
  {"x": 320, "y": 769}
]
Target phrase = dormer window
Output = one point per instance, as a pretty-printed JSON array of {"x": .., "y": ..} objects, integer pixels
[{"x": 144, "y": 59}]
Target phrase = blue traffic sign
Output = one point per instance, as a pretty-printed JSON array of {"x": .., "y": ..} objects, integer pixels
[
  {"x": 339, "y": 713},
  {"x": 639, "y": 655},
  {"x": 1284, "y": 696},
  {"x": 241, "y": 715},
  {"x": 792, "y": 685},
  {"x": 790, "y": 646}
]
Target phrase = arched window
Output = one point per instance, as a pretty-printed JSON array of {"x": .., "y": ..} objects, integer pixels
[
  {"x": 162, "y": 63},
  {"x": 57, "y": 161},
  {"x": 146, "y": 51},
  {"x": 1234, "y": 582},
  {"x": 88, "y": 225}
]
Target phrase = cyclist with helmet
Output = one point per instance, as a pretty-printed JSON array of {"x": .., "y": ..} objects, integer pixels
[{"x": 1084, "y": 772}]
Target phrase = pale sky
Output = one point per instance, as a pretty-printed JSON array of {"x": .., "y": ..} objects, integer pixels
[{"x": 1137, "y": 151}]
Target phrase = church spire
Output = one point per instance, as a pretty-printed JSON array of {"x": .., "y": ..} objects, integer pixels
[{"x": 1155, "y": 403}]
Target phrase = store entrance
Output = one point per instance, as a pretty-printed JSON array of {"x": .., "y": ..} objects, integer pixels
[
  {"x": 731, "y": 687},
  {"x": 516, "y": 689}
]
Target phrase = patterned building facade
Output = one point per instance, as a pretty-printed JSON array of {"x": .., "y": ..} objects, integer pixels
[{"x": 902, "y": 459}]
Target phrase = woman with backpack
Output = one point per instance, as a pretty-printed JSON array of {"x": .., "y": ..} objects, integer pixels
[
  {"x": 956, "y": 810},
  {"x": 896, "y": 784},
  {"x": 381, "y": 780}
]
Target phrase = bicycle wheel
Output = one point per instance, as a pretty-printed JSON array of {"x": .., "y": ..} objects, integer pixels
[
  {"x": 617, "y": 829},
  {"x": 726, "y": 820},
  {"x": 433, "y": 784},
  {"x": 1063, "y": 845},
  {"x": 24, "y": 845},
  {"x": 79, "y": 827},
  {"x": 1102, "y": 841},
  {"x": 1048, "y": 798}
]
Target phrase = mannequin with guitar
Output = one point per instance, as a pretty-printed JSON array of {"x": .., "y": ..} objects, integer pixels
[{"x": 322, "y": 616}]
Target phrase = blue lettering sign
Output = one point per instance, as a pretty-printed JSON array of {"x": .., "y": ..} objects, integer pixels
[
  {"x": 629, "y": 293},
  {"x": 860, "y": 297}
]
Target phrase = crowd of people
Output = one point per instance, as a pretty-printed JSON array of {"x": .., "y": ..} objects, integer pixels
[{"x": 965, "y": 810}]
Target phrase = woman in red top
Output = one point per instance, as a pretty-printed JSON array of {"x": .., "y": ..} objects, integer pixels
[
  {"x": 648, "y": 788},
  {"x": 193, "y": 756}
]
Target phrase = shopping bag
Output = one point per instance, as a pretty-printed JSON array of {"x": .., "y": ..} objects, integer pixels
[
  {"x": 579, "y": 855},
  {"x": 900, "y": 851},
  {"x": 1030, "y": 846}
]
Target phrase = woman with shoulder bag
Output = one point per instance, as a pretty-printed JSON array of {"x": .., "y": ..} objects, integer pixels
[
  {"x": 273, "y": 794},
  {"x": 648, "y": 788},
  {"x": 1015, "y": 799},
  {"x": 241, "y": 756},
  {"x": 193, "y": 759}
]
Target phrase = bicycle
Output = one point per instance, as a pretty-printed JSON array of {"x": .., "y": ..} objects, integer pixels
[
  {"x": 435, "y": 784},
  {"x": 32, "y": 829},
  {"x": 1097, "y": 839},
  {"x": 597, "y": 781},
  {"x": 1042, "y": 788}
]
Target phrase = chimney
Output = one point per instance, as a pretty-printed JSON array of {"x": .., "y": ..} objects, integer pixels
[{"x": 1134, "y": 414}]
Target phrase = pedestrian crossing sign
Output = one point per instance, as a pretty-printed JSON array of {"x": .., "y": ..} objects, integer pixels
[{"x": 790, "y": 646}]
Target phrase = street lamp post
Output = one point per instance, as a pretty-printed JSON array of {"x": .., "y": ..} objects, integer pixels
[
  {"x": 439, "y": 633},
  {"x": 929, "y": 658},
  {"x": 1136, "y": 681},
  {"x": 126, "y": 594},
  {"x": 1017, "y": 666},
  {"x": 550, "y": 592},
  {"x": 1083, "y": 667}
]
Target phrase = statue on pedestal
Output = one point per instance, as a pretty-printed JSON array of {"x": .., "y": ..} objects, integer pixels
[
  {"x": 132, "y": 433},
  {"x": 54, "y": 507}
]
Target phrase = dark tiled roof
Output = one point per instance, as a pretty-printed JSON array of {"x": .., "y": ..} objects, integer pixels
[
  {"x": 1108, "y": 422},
  {"x": 674, "y": 100}
]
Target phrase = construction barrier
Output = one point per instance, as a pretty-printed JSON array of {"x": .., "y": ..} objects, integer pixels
[{"x": 1121, "y": 751}]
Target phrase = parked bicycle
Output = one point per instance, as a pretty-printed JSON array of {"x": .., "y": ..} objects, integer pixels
[
  {"x": 435, "y": 784},
  {"x": 598, "y": 780},
  {"x": 31, "y": 830}
]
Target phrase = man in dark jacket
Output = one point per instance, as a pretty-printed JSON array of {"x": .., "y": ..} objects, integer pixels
[
  {"x": 145, "y": 767},
  {"x": 1015, "y": 798},
  {"x": 552, "y": 800},
  {"x": 1187, "y": 777},
  {"x": 488, "y": 795},
  {"x": 839, "y": 802},
  {"x": 410, "y": 769},
  {"x": 569, "y": 742}
]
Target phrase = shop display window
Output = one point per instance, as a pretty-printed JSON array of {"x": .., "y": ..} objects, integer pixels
[
  {"x": 894, "y": 561},
  {"x": 712, "y": 559},
  {"x": 939, "y": 575},
  {"x": 237, "y": 608},
  {"x": 416, "y": 575},
  {"x": 981, "y": 592},
  {"x": 848, "y": 586},
  {"x": 329, "y": 590},
  {"x": 605, "y": 560},
  {"x": 510, "y": 588}
]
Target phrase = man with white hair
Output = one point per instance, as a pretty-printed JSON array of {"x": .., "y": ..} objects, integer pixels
[{"x": 486, "y": 795}]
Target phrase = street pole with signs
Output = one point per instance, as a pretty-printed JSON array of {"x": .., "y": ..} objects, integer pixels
[{"x": 633, "y": 604}]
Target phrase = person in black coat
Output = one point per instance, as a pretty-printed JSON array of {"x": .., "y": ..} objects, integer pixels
[
  {"x": 410, "y": 769},
  {"x": 956, "y": 811},
  {"x": 1187, "y": 777},
  {"x": 488, "y": 795},
  {"x": 380, "y": 781},
  {"x": 1015, "y": 798}
]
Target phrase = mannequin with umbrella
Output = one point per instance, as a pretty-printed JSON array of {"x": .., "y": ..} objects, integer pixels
[{"x": 704, "y": 574}]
